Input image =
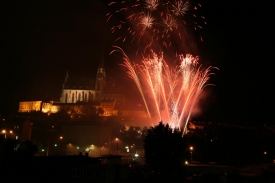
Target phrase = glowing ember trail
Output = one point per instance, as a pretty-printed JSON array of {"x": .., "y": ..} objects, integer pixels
[{"x": 169, "y": 94}]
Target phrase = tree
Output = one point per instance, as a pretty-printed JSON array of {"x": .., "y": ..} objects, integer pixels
[
  {"x": 164, "y": 148},
  {"x": 84, "y": 111},
  {"x": 19, "y": 149},
  {"x": 99, "y": 111}
]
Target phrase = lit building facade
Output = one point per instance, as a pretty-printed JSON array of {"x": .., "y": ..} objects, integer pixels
[
  {"x": 28, "y": 106},
  {"x": 45, "y": 107},
  {"x": 76, "y": 91}
]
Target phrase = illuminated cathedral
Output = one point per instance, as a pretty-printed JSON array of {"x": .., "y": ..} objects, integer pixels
[{"x": 78, "y": 91}]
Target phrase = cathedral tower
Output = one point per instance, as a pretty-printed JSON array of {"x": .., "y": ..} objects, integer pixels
[{"x": 100, "y": 77}]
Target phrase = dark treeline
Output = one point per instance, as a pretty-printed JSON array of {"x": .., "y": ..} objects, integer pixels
[{"x": 232, "y": 145}]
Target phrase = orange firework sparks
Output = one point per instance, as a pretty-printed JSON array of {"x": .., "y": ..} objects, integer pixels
[
  {"x": 169, "y": 94},
  {"x": 164, "y": 20}
]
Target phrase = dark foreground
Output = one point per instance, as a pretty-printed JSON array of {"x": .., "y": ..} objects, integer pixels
[{"x": 79, "y": 169}]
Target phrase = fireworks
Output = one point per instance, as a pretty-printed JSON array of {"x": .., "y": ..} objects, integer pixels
[
  {"x": 147, "y": 21},
  {"x": 180, "y": 7},
  {"x": 169, "y": 94},
  {"x": 169, "y": 24},
  {"x": 151, "y": 4},
  {"x": 154, "y": 19}
]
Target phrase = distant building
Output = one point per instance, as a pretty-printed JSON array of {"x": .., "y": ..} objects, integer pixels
[
  {"x": 28, "y": 106},
  {"x": 77, "y": 91},
  {"x": 11, "y": 127},
  {"x": 45, "y": 107}
]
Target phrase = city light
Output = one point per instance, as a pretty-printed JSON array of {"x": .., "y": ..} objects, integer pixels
[
  {"x": 191, "y": 149},
  {"x": 116, "y": 146}
]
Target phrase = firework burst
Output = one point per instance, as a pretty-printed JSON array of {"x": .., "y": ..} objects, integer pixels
[
  {"x": 169, "y": 24},
  {"x": 169, "y": 94},
  {"x": 151, "y": 4},
  {"x": 179, "y": 7},
  {"x": 161, "y": 20},
  {"x": 147, "y": 21}
]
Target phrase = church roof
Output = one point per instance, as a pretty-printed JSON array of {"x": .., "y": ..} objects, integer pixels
[{"x": 79, "y": 83}]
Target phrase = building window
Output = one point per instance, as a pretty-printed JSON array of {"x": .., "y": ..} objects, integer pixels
[
  {"x": 79, "y": 97},
  {"x": 85, "y": 99}
]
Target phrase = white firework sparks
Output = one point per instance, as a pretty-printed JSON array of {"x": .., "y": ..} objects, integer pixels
[
  {"x": 163, "y": 21},
  {"x": 168, "y": 93},
  {"x": 180, "y": 7},
  {"x": 169, "y": 24},
  {"x": 147, "y": 21},
  {"x": 151, "y": 4}
]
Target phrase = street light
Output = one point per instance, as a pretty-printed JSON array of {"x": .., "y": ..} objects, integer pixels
[
  {"x": 65, "y": 144},
  {"x": 4, "y": 132},
  {"x": 127, "y": 148},
  {"x": 116, "y": 146},
  {"x": 191, "y": 150}
]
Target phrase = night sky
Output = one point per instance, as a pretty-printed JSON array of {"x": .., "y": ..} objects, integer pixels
[{"x": 41, "y": 40}]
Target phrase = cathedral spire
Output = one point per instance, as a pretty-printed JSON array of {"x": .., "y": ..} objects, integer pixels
[
  {"x": 101, "y": 63},
  {"x": 67, "y": 76},
  {"x": 101, "y": 75}
]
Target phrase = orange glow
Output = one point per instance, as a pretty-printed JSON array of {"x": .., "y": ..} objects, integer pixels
[{"x": 169, "y": 94}]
